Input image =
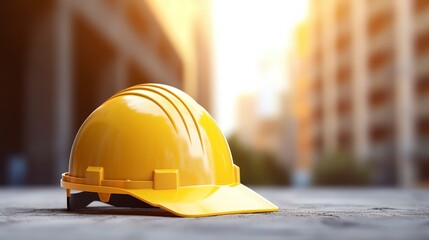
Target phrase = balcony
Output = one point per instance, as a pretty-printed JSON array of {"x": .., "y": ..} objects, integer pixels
[
  {"x": 422, "y": 62},
  {"x": 344, "y": 59},
  {"x": 422, "y": 105},
  {"x": 316, "y": 106},
  {"x": 381, "y": 97},
  {"x": 423, "y": 147},
  {"x": 317, "y": 110},
  {"x": 420, "y": 6},
  {"x": 345, "y": 139},
  {"x": 377, "y": 7},
  {"x": 317, "y": 137},
  {"x": 421, "y": 21},
  {"x": 381, "y": 149},
  {"x": 314, "y": 74},
  {"x": 422, "y": 85},
  {"x": 382, "y": 78},
  {"x": 316, "y": 130},
  {"x": 344, "y": 92},
  {"x": 345, "y": 123},
  {"x": 422, "y": 126},
  {"x": 380, "y": 59},
  {"x": 382, "y": 40},
  {"x": 421, "y": 44},
  {"x": 381, "y": 115},
  {"x": 342, "y": 10},
  {"x": 381, "y": 19}
]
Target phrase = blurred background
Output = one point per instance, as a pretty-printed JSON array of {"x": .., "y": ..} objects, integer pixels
[{"x": 308, "y": 93}]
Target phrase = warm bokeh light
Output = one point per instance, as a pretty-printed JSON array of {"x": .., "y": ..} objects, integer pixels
[{"x": 251, "y": 40}]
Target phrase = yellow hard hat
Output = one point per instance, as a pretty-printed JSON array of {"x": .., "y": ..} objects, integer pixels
[{"x": 153, "y": 145}]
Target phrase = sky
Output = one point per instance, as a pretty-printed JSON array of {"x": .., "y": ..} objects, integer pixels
[{"x": 251, "y": 43}]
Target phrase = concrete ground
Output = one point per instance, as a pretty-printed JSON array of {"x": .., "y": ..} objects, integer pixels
[{"x": 39, "y": 213}]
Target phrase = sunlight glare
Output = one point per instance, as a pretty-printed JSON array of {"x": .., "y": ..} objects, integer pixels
[{"x": 251, "y": 39}]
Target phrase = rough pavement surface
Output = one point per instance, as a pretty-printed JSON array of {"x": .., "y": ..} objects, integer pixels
[{"x": 39, "y": 213}]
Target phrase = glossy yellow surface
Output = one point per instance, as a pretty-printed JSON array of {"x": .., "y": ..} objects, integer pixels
[{"x": 157, "y": 144}]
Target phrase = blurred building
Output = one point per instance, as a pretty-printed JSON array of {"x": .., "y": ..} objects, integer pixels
[
  {"x": 259, "y": 132},
  {"x": 301, "y": 107},
  {"x": 62, "y": 59},
  {"x": 256, "y": 143},
  {"x": 364, "y": 86}
]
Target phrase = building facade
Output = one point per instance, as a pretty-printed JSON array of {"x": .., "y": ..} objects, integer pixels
[
  {"x": 61, "y": 59},
  {"x": 368, "y": 74}
]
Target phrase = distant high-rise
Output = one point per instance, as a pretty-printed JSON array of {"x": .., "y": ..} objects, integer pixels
[{"x": 367, "y": 69}]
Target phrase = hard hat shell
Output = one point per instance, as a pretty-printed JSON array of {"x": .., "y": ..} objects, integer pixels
[{"x": 155, "y": 143}]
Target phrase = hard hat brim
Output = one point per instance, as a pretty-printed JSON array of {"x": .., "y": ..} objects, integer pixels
[
  {"x": 193, "y": 201},
  {"x": 206, "y": 200}
]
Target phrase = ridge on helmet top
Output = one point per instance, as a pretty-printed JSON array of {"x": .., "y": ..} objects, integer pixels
[{"x": 175, "y": 98}]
